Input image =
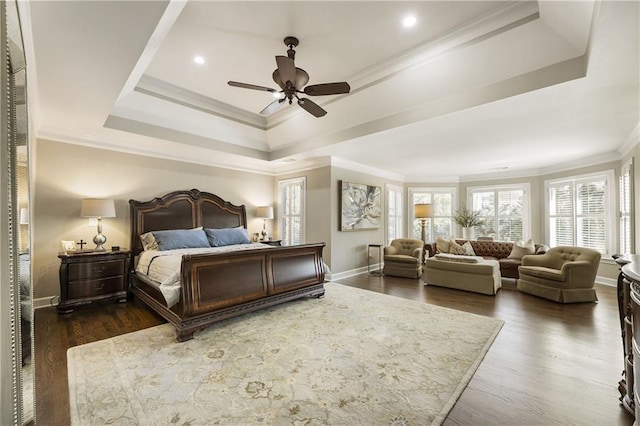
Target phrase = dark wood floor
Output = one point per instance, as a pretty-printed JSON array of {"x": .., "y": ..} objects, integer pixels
[{"x": 551, "y": 364}]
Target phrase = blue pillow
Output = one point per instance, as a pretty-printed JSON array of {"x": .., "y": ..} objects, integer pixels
[
  {"x": 181, "y": 238},
  {"x": 227, "y": 236}
]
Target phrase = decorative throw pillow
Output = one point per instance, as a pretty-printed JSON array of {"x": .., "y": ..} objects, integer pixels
[
  {"x": 442, "y": 245},
  {"x": 520, "y": 248},
  {"x": 227, "y": 236},
  {"x": 181, "y": 238},
  {"x": 456, "y": 248},
  {"x": 148, "y": 241},
  {"x": 468, "y": 250},
  {"x": 542, "y": 249}
]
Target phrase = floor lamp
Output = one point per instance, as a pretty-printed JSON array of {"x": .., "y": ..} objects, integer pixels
[{"x": 423, "y": 212}]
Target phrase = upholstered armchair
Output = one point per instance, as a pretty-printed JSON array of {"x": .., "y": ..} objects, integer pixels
[
  {"x": 403, "y": 258},
  {"x": 563, "y": 274}
]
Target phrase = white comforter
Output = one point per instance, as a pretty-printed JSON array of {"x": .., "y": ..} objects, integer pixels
[{"x": 164, "y": 266}]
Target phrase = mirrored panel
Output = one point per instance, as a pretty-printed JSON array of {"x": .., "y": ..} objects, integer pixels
[{"x": 20, "y": 203}]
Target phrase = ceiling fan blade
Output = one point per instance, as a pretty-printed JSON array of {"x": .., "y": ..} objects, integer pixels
[
  {"x": 312, "y": 107},
  {"x": 272, "y": 107},
  {"x": 251, "y": 86},
  {"x": 286, "y": 68},
  {"x": 327, "y": 89}
]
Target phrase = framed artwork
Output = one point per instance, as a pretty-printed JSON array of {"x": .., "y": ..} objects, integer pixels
[
  {"x": 68, "y": 246},
  {"x": 360, "y": 206}
]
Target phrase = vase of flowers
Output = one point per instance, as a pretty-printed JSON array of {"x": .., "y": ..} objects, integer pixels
[{"x": 468, "y": 219}]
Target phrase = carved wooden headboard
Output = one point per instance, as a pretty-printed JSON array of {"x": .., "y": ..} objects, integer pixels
[{"x": 182, "y": 210}]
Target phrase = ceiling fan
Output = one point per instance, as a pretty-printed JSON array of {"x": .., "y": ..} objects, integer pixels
[{"x": 291, "y": 80}]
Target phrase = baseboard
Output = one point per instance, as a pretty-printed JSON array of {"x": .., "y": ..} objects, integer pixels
[
  {"x": 46, "y": 302},
  {"x": 354, "y": 272},
  {"x": 607, "y": 281}
]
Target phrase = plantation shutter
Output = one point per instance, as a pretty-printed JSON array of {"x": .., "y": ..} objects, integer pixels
[
  {"x": 394, "y": 212},
  {"x": 561, "y": 214},
  {"x": 291, "y": 197},
  {"x": 503, "y": 212},
  {"x": 590, "y": 218},
  {"x": 578, "y": 212}
]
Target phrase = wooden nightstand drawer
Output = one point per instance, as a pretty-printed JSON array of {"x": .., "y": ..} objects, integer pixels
[
  {"x": 93, "y": 270},
  {"x": 79, "y": 289}
]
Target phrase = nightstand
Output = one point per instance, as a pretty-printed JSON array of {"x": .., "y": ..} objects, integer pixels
[
  {"x": 90, "y": 276},
  {"x": 276, "y": 243}
]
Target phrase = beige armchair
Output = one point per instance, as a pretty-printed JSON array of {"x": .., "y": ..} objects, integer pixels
[
  {"x": 563, "y": 274},
  {"x": 403, "y": 258}
]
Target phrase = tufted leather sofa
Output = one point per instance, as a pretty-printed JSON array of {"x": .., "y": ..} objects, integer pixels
[{"x": 493, "y": 250}]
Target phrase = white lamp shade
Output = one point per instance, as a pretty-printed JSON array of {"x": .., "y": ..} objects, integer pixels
[
  {"x": 422, "y": 211},
  {"x": 24, "y": 216},
  {"x": 265, "y": 212},
  {"x": 94, "y": 207}
]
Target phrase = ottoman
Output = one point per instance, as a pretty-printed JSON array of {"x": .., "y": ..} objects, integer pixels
[{"x": 469, "y": 273}]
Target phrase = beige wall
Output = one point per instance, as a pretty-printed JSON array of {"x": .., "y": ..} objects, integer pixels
[
  {"x": 349, "y": 248},
  {"x": 65, "y": 174}
]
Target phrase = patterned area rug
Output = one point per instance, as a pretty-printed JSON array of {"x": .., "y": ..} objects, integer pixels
[{"x": 353, "y": 357}]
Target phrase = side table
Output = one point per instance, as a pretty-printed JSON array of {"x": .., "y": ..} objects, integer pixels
[
  {"x": 376, "y": 272},
  {"x": 89, "y": 276}
]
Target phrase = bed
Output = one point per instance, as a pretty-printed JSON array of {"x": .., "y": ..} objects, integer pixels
[{"x": 216, "y": 286}]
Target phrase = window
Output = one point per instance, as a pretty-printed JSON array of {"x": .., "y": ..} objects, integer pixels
[
  {"x": 578, "y": 211},
  {"x": 626, "y": 201},
  {"x": 505, "y": 211},
  {"x": 291, "y": 195},
  {"x": 441, "y": 224},
  {"x": 394, "y": 212}
]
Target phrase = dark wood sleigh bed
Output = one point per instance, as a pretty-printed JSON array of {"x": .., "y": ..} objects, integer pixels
[{"x": 223, "y": 285}]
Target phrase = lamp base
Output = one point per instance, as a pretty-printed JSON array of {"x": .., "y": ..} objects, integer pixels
[{"x": 99, "y": 240}]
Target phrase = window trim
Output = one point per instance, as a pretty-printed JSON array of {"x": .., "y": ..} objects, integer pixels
[
  {"x": 610, "y": 216},
  {"x": 399, "y": 189},
  {"x": 525, "y": 186},
  {"x": 303, "y": 214},
  {"x": 626, "y": 170}
]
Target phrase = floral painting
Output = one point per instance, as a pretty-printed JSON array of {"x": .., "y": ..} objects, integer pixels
[{"x": 360, "y": 206}]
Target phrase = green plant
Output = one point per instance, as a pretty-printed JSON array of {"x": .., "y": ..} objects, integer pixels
[{"x": 468, "y": 218}]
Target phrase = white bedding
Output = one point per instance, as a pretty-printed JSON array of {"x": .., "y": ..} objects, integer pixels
[{"x": 163, "y": 267}]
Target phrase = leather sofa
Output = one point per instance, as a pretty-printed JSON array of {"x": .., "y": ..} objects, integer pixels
[{"x": 494, "y": 250}]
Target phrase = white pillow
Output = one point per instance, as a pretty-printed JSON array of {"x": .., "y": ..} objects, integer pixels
[
  {"x": 468, "y": 249},
  {"x": 442, "y": 245},
  {"x": 456, "y": 248},
  {"x": 520, "y": 248}
]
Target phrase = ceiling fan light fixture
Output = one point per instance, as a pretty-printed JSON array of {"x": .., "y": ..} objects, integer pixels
[{"x": 292, "y": 80}]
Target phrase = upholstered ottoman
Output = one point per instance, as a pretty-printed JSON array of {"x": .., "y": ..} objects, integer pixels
[{"x": 469, "y": 273}]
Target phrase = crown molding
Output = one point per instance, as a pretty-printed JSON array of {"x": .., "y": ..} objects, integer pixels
[
  {"x": 631, "y": 142},
  {"x": 160, "y": 89},
  {"x": 357, "y": 167}
]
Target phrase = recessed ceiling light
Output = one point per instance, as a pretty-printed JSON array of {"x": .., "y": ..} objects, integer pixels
[
  {"x": 198, "y": 59},
  {"x": 409, "y": 21}
]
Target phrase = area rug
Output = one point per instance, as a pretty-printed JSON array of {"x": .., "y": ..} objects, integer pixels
[{"x": 354, "y": 357}]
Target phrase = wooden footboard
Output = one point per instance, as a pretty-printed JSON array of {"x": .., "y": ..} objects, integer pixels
[{"x": 220, "y": 286}]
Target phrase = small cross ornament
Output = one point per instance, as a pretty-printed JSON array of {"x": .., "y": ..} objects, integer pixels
[{"x": 81, "y": 243}]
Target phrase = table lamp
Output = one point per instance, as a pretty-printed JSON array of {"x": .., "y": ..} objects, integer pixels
[
  {"x": 98, "y": 208},
  {"x": 264, "y": 212}
]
